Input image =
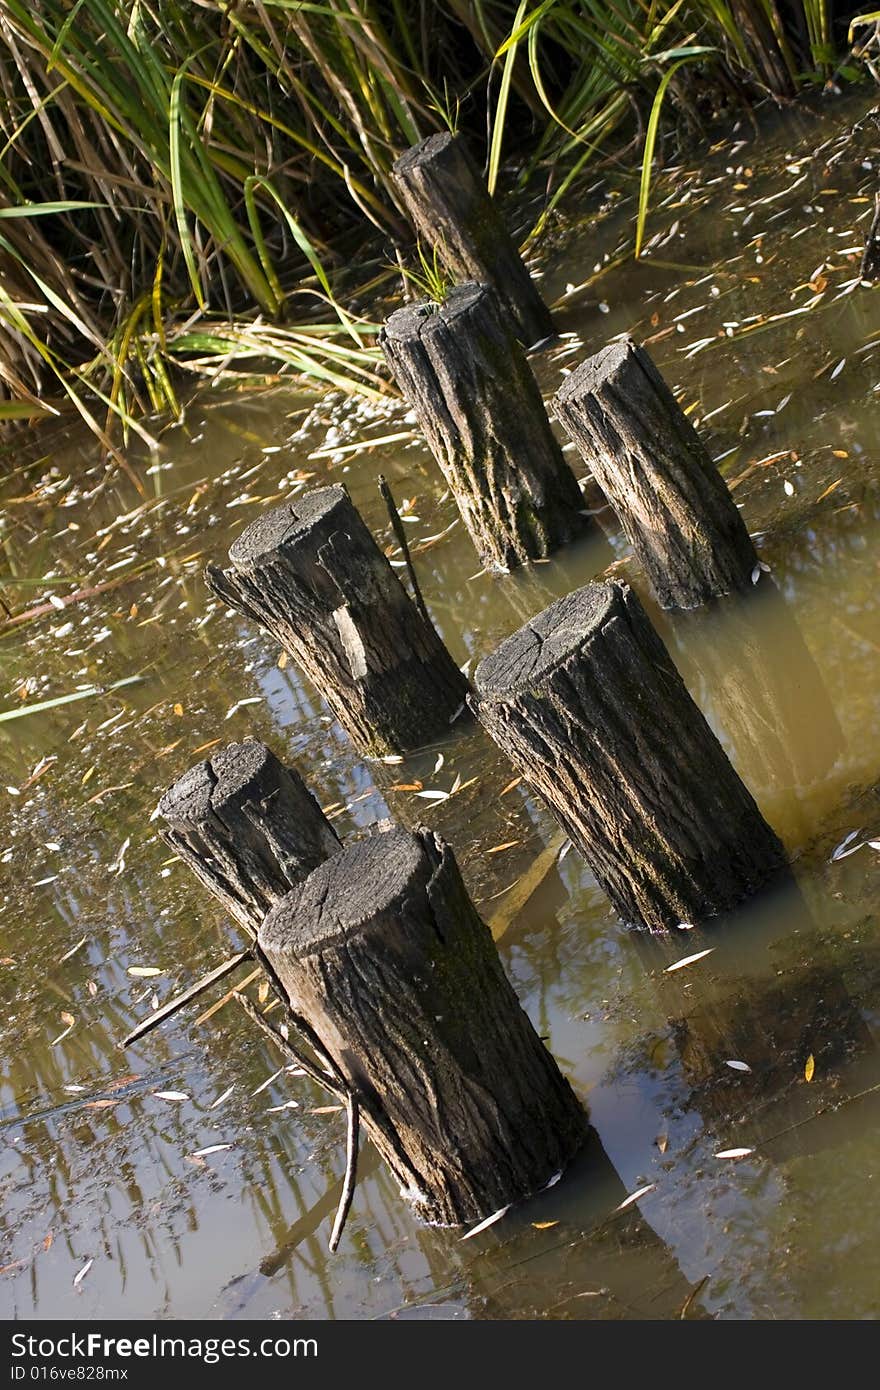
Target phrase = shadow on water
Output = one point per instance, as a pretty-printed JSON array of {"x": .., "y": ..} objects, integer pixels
[{"x": 219, "y": 1203}]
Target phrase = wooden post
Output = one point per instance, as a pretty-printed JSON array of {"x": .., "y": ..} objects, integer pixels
[
  {"x": 478, "y": 404},
  {"x": 588, "y": 705},
  {"x": 383, "y": 954},
  {"x": 451, "y": 210},
  {"x": 248, "y": 827},
  {"x": 646, "y": 456},
  {"x": 311, "y": 574}
]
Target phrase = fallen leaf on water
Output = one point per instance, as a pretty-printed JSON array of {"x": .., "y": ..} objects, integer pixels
[
  {"x": 634, "y": 1196},
  {"x": 688, "y": 960},
  {"x": 178, "y": 710},
  {"x": 16, "y": 1264},
  {"x": 262, "y": 991},
  {"x": 170, "y": 1095},
  {"x": 325, "y": 1109},
  {"x": 734, "y": 1153},
  {"x": 434, "y": 796},
  {"x": 101, "y": 1104},
  {"x": 810, "y": 1068},
  {"x": 78, "y": 1278},
  {"x": 544, "y": 1225},
  {"x": 48, "y": 1239},
  {"x": 662, "y": 1142},
  {"x": 70, "y": 1021},
  {"x": 73, "y": 950},
  {"x": 406, "y": 787},
  {"x": 510, "y": 786},
  {"x": 144, "y": 972},
  {"x": 508, "y": 844},
  {"x": 288, "y": 1105},
  {"x": 738, "y": 1066},
  {"x": 211, "y": 1149},
  {"x": 489, "y": 1221},
  {"x": 267, "y": 1082},
  {"x": 223, "y": 1096}
]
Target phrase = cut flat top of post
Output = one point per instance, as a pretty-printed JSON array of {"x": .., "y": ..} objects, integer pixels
[
  {"x": 546, "y": 640},
  {"x": 284, "y": 525},
  {"x": 365, "y": 878},
  {"x": 596, "y": 370},
  {"x": 413, "y": 320},
  {"x": 215, "y": 783},
  {"x": 423, "y": 152}
]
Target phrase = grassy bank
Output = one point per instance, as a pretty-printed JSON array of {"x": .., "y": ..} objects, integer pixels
[{"x": 186, "y": 186}]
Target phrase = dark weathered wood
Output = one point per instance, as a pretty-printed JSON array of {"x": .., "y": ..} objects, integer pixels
[
  {"x": 383, "y": 953},
  {"x": 451, "y": 210},
  {"x": 248, "y": 827},
  {"x": 647, "y": 457},
  {"x": 478, "y": 404},
  {"x": 311, "y": 574},
  {"x": 588, "y": 705}
]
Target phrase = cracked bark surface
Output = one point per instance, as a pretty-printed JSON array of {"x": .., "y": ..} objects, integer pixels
[
  {"x": 587, "y": 703},
  {"x": 311, "y": 574},
  {"x": 451, "y": 209},
  {"x": 248, "y": 828},
  {"x": 466, "y": 378},
  {"x": 383, "y": 953},
  {"x": 648, "y": 459}
]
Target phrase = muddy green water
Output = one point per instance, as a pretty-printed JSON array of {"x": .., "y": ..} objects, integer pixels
[{"x": 749, "y": 301}]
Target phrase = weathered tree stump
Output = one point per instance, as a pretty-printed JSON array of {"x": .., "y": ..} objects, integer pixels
[
  {"x": 311, "y": 574},
  {"x": 382, "y": 952},
  {"x": 248, "y": 827},
  {"x": 478, "y": 404},
  {"x": 647, "y": 457},
  {"x": 451, "y": 209},
  {"x": 588, "y": 705}
]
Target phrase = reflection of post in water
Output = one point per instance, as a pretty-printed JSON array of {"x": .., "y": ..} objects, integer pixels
[
  {"x": 571, "y": 1253},
  {"x": 749, "y": 662},
  {"x": 769, "y": 997}
]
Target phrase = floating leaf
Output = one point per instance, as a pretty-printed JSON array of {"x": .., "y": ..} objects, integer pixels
[
  {"x": 688, "y": 960},
  {"x": 434, "y": 796},
  {"x": 734, "y": 1153},
  {"x": 810, "y": 1068},
  {"x": 211, "y": 1149},
  {"x": 737, "y": 1066},
  {"x": 544, "y": 1225},
  {"x": 489, "y": 1221},
  {"x": 178, "y": 710},
  {"x": 78, "y": 1278},
  {"x": 223, "y": 1096},
  {"x": 634, "y": 1196},
  {"x": 144, "y": 972},
  {"x": 171, "y": 1095}
]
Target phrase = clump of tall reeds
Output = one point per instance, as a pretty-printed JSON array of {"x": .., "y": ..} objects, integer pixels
[{"x": 182, "y": 186}]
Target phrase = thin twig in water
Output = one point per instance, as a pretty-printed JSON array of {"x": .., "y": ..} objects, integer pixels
[
  {"x": 330, "y": 1083},
  {"x": 400, "y": 534},
  {"x": 351, "y": 1158},
  {"x": 180, "y": 1000}
]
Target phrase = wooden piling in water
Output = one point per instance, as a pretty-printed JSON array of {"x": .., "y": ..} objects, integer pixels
[
  {"x": 311, "y": 574},
  {"x": 649, "y": 461},
  {"x": 382, "y": 952},
  {"x": 466, "y": 377},
  {"x": 248, "y": 827},
  {"x": 586, "y": 702},
  {"x": 452, "y": 211}
]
